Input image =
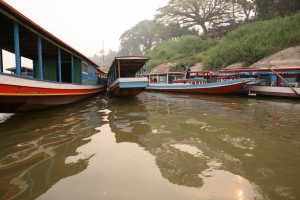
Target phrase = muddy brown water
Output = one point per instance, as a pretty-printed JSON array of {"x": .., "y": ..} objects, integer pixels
[{"x": 155, "y": 146}]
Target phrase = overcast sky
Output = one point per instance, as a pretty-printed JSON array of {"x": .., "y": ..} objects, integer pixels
[{"x": 85, "y": 24}]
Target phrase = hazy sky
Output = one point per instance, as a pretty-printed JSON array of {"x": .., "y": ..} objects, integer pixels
[{"x": 84, "y": 24}]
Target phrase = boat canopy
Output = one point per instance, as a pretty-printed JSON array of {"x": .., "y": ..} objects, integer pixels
[
  {"x": 28, "y": 32},
  {"x": 167, "y": 73},
  {"x": 129, "y": 64}
]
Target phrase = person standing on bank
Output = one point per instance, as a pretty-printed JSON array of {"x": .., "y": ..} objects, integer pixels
[{"x": 187, "y": 70}]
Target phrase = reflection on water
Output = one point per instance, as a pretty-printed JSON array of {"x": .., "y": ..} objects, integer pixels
[
  {"x": 155, "y": 146},
  {"x": 38, "y": 149},
  {"x": 200, "y": 139},
  {"x": 128, "y": 119},
  {"x": 5, "y": 116}
]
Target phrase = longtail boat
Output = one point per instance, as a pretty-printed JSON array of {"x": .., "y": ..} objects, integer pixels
[
  {"x": 207, "y": 84},
  {"x": 275, "y": 81},
  {"x": 59, "y": 74},
  {"x": 126, "y": 76}
]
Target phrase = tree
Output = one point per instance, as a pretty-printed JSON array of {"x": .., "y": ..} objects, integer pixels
[
  {"x": 138, "y": 39},
  {"x": 267, "y": 9},
  {"x": 147, "y": 33},
  {"x": 241, "y": 9},
  {"x": 172, "y": 31},
  {"x": 247, "y": 6},
  {"x": 287, "y": 7},
  {"x": 264, "y": 8},
  {"x": 194, "y": 13},
  {"x": 104, "y": 60}
]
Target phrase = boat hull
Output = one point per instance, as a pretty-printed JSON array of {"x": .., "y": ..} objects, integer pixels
[
  {"x": 21, "y": 94},
  {"x": 217, "y": 88},
  {"x": 128, "y": 87},
  {"x": 275, "y": 91}
]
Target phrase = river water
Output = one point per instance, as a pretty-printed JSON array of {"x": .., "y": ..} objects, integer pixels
[{"x": 155, "y": 146}]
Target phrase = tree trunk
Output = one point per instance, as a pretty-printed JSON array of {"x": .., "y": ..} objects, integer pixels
[{"x": 203, "y": 28}]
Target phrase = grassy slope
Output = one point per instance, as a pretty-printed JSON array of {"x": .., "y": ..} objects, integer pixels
[
  {"x": 183, "y": 50},
  {"x": 248, "y": 44}
]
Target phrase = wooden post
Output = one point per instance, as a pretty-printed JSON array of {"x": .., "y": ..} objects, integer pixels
[
  {"x": 144, "y": 68},
  {"x": 119, "y": 73},
  {"x": 59, "y": 65},
  {"x": 167, "y": 78},
  {"x": 40, "y": 58},
  {"x": 72, "y": 69},
  {"x": 1, "y": 61},
  {"x": 17, "y": 49}
]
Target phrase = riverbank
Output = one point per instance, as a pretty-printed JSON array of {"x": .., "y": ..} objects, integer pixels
[
  {"x": 289, "y": 57},
  {"x": 275, "y": 42}
]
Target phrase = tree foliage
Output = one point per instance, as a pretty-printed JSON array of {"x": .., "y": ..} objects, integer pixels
[
  {"x": 267, "y": 9},
  {"x": 194, "y": 13},
  {"x": 104, "y": 59},
  {"x": 247, "y": 7},
  {"x": 172, "y": 31},
  {"x": 186, "y": 46},
  {"x": 146, "y": 33},
  {"x": 137, "y": 39}
]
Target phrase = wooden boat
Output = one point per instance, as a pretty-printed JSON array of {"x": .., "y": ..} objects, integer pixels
[
  {"x": 60, "y": 75},
  {"x": 280, "y": 82},
  {"x": 175, "y": 82},
  {"x": 126, "y": 77}
]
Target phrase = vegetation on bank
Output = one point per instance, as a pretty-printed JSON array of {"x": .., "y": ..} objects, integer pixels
[
  {"x": 252, "y": 42},
  {"x": 184, "y": 50},
  {"x": 247, "y": 44}
]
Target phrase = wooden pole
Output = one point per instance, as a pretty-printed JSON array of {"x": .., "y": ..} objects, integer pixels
[
  {"x": 59, "y": 64},
  {"x": 1, "y": 61},
  {"x": 17, "y": 48},
  {"x": 72, "y": 69},
  {"x": 283, "y": 80},
  {"x": 167, "y": 78},
  {"x": 40, "y": 58},
  {"x": 119, "y": 73}
]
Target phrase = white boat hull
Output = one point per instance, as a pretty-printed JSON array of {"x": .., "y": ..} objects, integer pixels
[{"x": 275, "y": 91}]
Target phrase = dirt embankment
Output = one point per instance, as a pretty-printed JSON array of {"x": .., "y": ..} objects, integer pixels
[
  {"x": 289, "y": 57},
  {"x": 166, "y": 67}
]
